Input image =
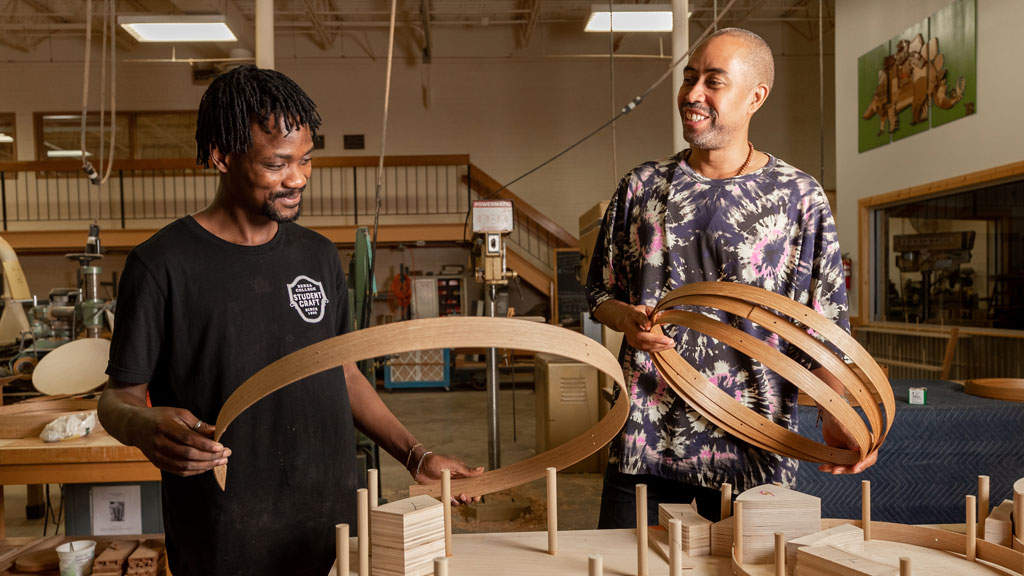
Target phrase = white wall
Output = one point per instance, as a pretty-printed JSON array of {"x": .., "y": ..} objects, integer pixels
[
  {"x": 993, "y": 136},
  {"x": 509, "y": 107}
]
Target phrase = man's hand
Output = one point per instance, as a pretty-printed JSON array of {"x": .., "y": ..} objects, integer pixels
[
  {"x": 636, "y": 325},
  {"x": 176, "y": 441},
  {"x": 433, "y": 464},
  {"x": 837, "y": 436}
]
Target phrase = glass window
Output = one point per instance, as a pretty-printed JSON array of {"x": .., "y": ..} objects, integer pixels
[
  {"x": 956, "y": 259},
  {"x": 61, "y": 136},
  {"x": 139, "y": 135},
  {"x": 8, "y": 150},
  {"x": 165, "y": 134}
]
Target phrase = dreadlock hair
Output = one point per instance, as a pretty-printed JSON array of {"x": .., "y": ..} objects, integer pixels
[{"x": 241, "y": 96}]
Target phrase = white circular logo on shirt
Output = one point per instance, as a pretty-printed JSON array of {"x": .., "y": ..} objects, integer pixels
[{"x": 308, "y": 298}]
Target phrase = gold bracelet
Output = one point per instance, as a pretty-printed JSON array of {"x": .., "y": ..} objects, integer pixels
[{"x": 408, "y": 459}]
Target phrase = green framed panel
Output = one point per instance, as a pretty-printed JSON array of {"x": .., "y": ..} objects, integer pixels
[
  {"x": 955, "y": 80},
  {"x": 911, "y": 93},
  {"x": 872, "y": 127}
]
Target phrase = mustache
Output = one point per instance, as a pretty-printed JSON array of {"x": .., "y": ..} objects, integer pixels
[
  {"x": 699, "y": 108},
  {"x": 286, "y": 193}
]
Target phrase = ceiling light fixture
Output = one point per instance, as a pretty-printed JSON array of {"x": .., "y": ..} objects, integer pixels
[
  {"x": 65, "y": 154},
  {"x": 177, "y": 28},
  {"x": 630, "y": 18}
]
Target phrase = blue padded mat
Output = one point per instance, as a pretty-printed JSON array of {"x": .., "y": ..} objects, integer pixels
[{"x": 931, "y": 459}]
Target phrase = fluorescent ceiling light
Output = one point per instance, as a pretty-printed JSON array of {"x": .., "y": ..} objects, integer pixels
[
  {"x": 65, "y": 154},
  {"x": 177, "y": 28},
  {"x": 630, "y": 18},
  {"x": 5, "y": 139}
]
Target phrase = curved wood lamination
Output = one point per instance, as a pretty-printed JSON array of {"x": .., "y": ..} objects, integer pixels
[
  {"x": 450, "y": 332},
  {"x": 1011, "y": 389},
  {"x": 757, "y": 305}
]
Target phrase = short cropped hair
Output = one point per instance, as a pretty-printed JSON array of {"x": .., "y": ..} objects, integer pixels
[
  {"x": 245, "y": 95},
  {"x": 759, "y": 55}
]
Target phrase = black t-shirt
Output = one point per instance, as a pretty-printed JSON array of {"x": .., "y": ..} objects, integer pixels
[{"x": 196, "y": 317}]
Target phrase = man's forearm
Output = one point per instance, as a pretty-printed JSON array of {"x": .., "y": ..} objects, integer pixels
[
  {"x": 116, "y": 409},
  {"x": 373, "y": 417},
  {"x": 611, "y": 312}
]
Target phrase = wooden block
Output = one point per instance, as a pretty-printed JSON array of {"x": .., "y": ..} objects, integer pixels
[
  {"x": 999, "y": 525},
  {"x": 406, "y": 536},
  {"x": 839, "y": 535},
  {"x": 38, "y": 561},
  {"x": 696, "y": 528},
  {"x": 830, "y": 561},
  {"x": 721, "y": 537},
  {"x": 115, "y": 555},
  {"x": 769, "y": 509},
  {"x": 659, "y": 539}
]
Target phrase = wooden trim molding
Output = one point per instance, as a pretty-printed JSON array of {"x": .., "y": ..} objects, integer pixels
[
  {"x": 920, "y": 192},
  {"x": 760, "y": 306},
  {"x": 449, "y": 332}
]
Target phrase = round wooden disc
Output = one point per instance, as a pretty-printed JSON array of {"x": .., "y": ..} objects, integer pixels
[
  {"x": 39, "y": 561},
  {"x": 73, "y": 368}
]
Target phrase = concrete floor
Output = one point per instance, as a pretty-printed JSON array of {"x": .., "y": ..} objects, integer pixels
[{"x": 454, "y": 422}]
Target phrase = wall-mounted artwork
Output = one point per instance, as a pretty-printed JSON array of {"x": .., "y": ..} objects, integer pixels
[{"x": 921, "y": 79}]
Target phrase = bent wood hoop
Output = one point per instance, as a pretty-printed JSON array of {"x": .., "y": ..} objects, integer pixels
[
  {"x": 1011, "y": 389},
  {"x": 449, "y": 332},
  {"x": 757, "y": 305}
]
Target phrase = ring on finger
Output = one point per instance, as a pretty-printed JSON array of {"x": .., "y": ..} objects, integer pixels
[{"x": 198, "y": 425}]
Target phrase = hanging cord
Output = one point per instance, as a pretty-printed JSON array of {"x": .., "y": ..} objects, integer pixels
[
  {"x": 625, "y": 109},
  {"x": 380, "y": 164},
  {"x": 109, "y": 23},
  {"x": 611, "y": 85},
  {"x": 400, "y": 294},
  {"x": 821, "y": 89}
]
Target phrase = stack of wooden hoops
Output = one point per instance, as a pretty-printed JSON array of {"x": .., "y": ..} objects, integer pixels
[
  {"x": 770, "y": 311},
  {"x": 741, "y": 300}
]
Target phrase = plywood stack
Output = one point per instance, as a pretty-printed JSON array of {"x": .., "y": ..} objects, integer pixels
[
  {"x": 999, "y": 524},
  {"x": 147, "y": 559},
  {"x": 839, "y": 535},
  {"x": 831, "y": 561},
  {"x": 112, "y": 560},
  {"x": 696, "y": 528},
  {"x": 406, "y": 536},
  {"x": 721, "y": 537},
  {"x": 769, "y": 509}
]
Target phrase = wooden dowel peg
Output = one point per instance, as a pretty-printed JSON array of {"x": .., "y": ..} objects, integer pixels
[
  {"x": 972, "y": 528},
  {"x": 780, "y": 554},
  {"x": 595, "y": 565},
  {"x": 446, "y": 500},
  {"x": 641, "y": 529},
  {"x": 341, "y": 549},
  {"x": 440, "y": 566},
  {"x": 552, "y": 510},
  {"x": 371, "y": 486},
  {"x": 983, "y": 504},
  {"x": 737, "y": 532},
  {"x": 865, "y": 508},
  {"x": 1018, "y": 515},
  {"x": 363, "y": 530},
  {"x": 726, "y": 501},
  {"x": 904, "y": 566},
  {"x": 675, "y": 547}
]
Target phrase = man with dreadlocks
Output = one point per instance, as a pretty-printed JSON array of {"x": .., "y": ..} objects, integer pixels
[{"x": 211, "y": 299}]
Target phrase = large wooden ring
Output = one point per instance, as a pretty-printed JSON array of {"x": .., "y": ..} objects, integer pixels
[
  {"x": 1011, "y": 389},
  {"x": 450, "y": 332},
  {"x": 767, "y": 309}
]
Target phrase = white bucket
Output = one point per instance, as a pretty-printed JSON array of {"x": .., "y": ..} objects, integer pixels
[{"x": 75, "y": 558}]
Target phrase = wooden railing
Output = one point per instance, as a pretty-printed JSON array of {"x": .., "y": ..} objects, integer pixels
[{"x": 45, "y": 205}]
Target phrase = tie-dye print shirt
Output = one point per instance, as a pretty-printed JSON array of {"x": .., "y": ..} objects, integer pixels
[{"x": 668, "y": 226}]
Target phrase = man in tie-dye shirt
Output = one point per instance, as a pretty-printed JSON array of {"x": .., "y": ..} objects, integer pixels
[{"x": 719, "y": 211}]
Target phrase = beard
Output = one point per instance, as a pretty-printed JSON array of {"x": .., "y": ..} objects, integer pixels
[
  {"x": 714, "y": 137},
  {"x": 271, "y": 211}
]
